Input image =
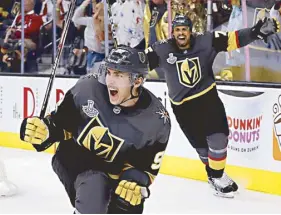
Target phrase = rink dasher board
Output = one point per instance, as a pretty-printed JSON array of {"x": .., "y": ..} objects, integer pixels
[{"x": 253, "y": 113}]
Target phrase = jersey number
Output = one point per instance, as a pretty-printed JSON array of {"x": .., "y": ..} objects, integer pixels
[
  {"x": 218, "y": 33},
  {"x": 157, "y": 160}
]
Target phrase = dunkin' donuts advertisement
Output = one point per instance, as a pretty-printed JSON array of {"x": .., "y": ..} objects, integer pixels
[
  {"x": 248, "y": 118},
  {"x": 245, "y": 120}
]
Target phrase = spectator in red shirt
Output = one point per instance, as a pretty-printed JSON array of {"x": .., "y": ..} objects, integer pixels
[{"x": 32, "y": 24}]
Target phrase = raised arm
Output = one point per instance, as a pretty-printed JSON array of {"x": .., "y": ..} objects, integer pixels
[{"x": 228, "y": 41}]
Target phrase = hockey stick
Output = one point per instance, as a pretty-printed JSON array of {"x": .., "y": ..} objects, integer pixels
[{"x": 44, "y": 146}]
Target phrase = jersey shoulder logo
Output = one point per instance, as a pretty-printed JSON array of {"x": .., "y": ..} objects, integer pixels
[
  {"x": 189, "y": 71},
  {"x": 89, "y": 109},
  {"x": 163, "y": 41},
  {"x": 98, "y": 139},
  {"x": 164, "y": 115}
]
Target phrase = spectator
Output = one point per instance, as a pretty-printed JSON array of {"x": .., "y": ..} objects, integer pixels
[
  {"x": 94, "y": 31},
  {"x": 128, "y": 21},
  {"x": 10, "y": 52},
  {"x": 274, "y": 41},
  {"x": 47, "y": 12},
  {"x": 196, "y": 11},
  {"x": 275, "y": 11},
  {"x": 4, "y": 15},
  {"x": 155, "y": 27},
  {"x": 8, "y": 11},
  {"x": 32, "y": 25},
  {"x": 11, "y": 55},
  {"x": 155, "y": 21},
  {"x": 62, "y": 7}
]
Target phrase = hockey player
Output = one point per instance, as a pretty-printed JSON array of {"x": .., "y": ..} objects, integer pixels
[
  {"x": 187, "y": 61},
  {"x": 120, "y": 131}
]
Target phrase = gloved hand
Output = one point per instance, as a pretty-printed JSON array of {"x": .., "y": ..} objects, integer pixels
[
  {"x": 131, "y": 192},
  {"x": 34, "y": 130},
  {"x": 266, "y": 27}
]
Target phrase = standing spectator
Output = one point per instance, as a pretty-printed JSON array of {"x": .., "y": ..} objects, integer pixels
[
  {"x": 127, "y": 18},
  {"x": 32, "y": 25},
  {"x": 62, "y": 7},
  {"x": 274, "y": 41},
  {"x": 275, "y": 11},
  {"x": 155, "y": 27},
  {"x": 94, "y": 31},
  {"x": 155, "y": 17}
]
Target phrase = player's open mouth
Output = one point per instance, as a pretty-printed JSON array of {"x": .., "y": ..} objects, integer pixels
[
  {"x": 182, "y": 38},
  {"x": 113, "y": 92}
]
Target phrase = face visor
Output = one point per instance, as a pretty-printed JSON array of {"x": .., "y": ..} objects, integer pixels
[{"x": 121, "y": 76}]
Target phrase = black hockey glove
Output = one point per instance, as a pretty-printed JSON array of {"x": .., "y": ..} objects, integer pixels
[{"x": 265, "y": 27}]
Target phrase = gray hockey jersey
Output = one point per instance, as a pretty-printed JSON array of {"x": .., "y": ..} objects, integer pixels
[{"x": 189, "y": 73}]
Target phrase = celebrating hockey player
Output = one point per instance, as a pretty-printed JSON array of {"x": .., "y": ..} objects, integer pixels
[
  {"x": 113, "y": 133},
  {"x": 187, "y": 61}
]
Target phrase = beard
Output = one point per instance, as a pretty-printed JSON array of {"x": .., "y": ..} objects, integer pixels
[{"x": 182, "y": 43}]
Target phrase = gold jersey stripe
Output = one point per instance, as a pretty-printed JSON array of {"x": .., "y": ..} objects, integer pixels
[
  {"x": 115, "y": 177},
  {"x": 151, "y": 176},
  {"x": 217, "y": 165},
  {"x": 194, "y": 96},
  {"x": 127, "y": 166},
  {"x": 233, "y": 42}
]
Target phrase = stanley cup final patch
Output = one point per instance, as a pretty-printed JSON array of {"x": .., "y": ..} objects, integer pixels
[
  {"x": 172, "y": 59},
  {"x": 90, "y": 110}
]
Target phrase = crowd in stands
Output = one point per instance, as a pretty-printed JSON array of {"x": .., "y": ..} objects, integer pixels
[{"x": 137, "y": 23}]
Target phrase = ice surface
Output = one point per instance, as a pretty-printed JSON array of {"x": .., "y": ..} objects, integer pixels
[{"x": 41, "y": 192}]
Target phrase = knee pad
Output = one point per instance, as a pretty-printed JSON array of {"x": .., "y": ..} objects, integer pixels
[{"x": 92, "y": 192}]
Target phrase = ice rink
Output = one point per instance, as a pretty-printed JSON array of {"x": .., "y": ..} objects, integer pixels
[{"x": 40, "y": 191}]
